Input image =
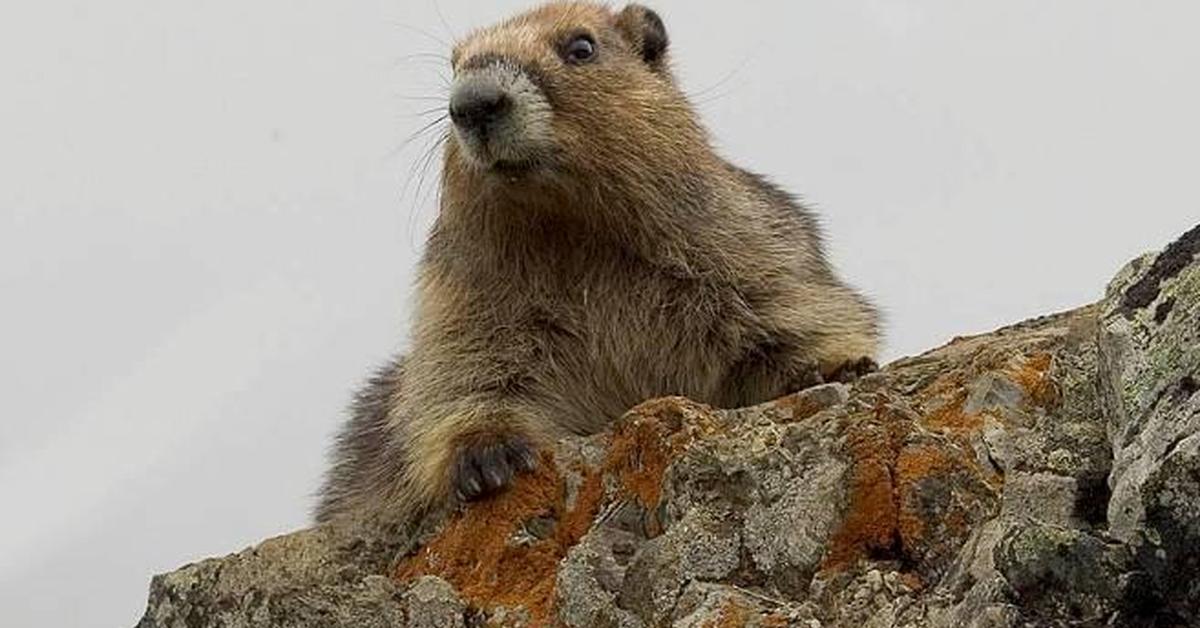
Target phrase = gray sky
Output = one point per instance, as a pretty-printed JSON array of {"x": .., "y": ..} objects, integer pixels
[{"x": 204, "y": 244}]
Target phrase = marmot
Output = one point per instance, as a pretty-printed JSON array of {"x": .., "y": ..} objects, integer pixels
[{"x": 591, "y": 251}]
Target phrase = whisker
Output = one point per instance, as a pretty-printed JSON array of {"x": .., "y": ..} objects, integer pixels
[
  {"x": 722, "y": 81},
  {"x": 430, "y": 156},
  {"x": 416, "y": 165},
  {"x": 421, "y": 166},
  {"x": 438, "y": 40},
  {"x": 428, "y": 62},
  {"x": 428, "y": 112},
  {"x": 422, "y": 133},
  {"x": 715, "y": 97},
  {"x": 423, "y": 98},
  {"x": 425, "y": 129},
  {"x": 442, "y": 18},
  {"x": 425, "y": 55}
]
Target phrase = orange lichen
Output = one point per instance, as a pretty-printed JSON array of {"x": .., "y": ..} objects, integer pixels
[
  {"x": 638, "y": 457},
  {"x": 913, "y": 465},
  {"x": 801, "y": 406},
  {"x": 644, "y": 444},
  {"x": 950, "y": 418},
  {"x": 576, "y": 522},
  {"x": 1033, "y": 375},
  {"x": 912, "y": 580},
  {"x": 870, "y": 525},
  {"x": 477, "y": 554},
  {"x": 889, "y": 515},
  {"x": 946, "y": 383},
  {"x": 476, "y": 551},
  {"x": 732, "y": 615},
  {"x": 774, "y": 620}
]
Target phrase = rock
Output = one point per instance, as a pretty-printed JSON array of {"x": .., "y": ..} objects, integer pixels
[
  {"x": 431, "y": 602},
  {"x": 1045, "y": 474},
  {"x": 319, "y": 577}
]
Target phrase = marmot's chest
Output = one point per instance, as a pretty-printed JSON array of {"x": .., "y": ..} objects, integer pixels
[{"x": 647, "y": 332}]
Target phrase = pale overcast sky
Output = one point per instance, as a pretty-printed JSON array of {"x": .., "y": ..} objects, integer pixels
[{"x": 204, "y": 245}]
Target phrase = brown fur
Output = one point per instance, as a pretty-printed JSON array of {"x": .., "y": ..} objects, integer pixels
[{"x": 632, "y": 263}]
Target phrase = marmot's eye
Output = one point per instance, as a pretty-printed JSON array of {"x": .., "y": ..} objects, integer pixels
[{"x": 579, "y": 49}]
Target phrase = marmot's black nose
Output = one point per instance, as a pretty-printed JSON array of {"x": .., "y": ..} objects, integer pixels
[{"x": 477, "y": 104}]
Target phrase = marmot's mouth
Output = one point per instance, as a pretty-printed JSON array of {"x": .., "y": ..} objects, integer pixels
[{"x": 513, "y": 167}]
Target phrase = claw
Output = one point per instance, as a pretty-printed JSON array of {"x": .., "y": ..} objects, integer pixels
[
  {"x": 488, "y": 465},
  {"x": 852, "y": 370}
]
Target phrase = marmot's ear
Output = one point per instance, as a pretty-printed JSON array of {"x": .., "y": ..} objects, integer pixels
[{"x": 644, "y": 29}]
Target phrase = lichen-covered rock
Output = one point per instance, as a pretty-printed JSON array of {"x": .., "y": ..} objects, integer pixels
[
  {"x": 431, "y": 602},
  {"x": 319, "y": 577},
  {"x": 1046, "y": 474}
]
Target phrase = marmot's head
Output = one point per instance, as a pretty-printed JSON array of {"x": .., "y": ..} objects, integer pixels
[{"x": 567, "y": 90}]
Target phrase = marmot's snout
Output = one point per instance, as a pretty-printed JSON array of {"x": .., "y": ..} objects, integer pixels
[
  {"x": 501, "y": 118},
  {"x": 478, "y": 104}
]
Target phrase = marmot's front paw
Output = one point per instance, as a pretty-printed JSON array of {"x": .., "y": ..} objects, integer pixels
[
  {"x": 852, "y": 370},
  {"x": 486, "y": 463}
]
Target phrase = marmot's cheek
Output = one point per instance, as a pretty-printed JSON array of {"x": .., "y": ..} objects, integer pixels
[
  {"x": 526, "y": 135},
  {"x": 471, "y": 151}
]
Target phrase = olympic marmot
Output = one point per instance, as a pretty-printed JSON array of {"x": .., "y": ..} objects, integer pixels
[{"x": 592, "y": 251}]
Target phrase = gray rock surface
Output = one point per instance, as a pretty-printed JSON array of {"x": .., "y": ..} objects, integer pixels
[{"x": 1046, "y": 474}]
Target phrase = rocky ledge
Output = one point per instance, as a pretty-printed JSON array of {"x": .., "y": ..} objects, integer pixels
[{"x": 1046, "y": 474}]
